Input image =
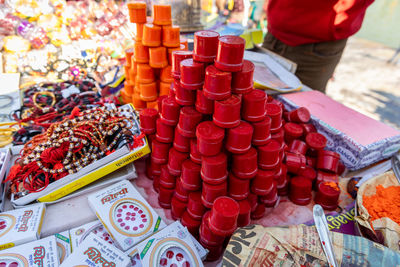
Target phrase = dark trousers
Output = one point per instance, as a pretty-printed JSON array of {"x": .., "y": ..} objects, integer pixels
[{"x": 316, "y": 62}]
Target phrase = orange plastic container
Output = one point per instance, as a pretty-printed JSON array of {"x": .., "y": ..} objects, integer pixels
[
  {"x": 127, "y": 98},
  {"x": 148, "y": 91},
  {"x": 171, "y": 36},
  {"x": 137, "y": 12},
  {"x": 145, "y": 74},
  {"x": 165, "y": 75},
  {"x": 151, "y": 35},
  {"x": 164, "y": 88},
  {"x": 172, "y": 49},
  {"x": 128, "y": 88},
  {"x": 132, "y": 78},
  {"x": 184, "y": 41},
  {"x": 133, "y": 70},
  {"x": 139, "y": 32},
  {"x": 128, "y": 56},
  {"x": 138, "y": 103},
  {"x": 141, "y": 54},
  {"x": 127, "y": 70},
  {"x": 162, "y": 14},
  {"x": 152, "y": 104},
  {"x": 158, "y": 57}
]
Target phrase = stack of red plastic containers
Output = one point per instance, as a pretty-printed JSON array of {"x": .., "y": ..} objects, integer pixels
[{"x": 221, "y": 150}]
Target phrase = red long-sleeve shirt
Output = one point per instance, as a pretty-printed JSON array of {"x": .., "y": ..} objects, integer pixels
[{"x": 297, "y": 22}]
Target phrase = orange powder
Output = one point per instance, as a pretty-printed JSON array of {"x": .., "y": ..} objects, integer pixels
[
  {"x": 385, "y": 203},
  {"x": 332, "y": 185}
]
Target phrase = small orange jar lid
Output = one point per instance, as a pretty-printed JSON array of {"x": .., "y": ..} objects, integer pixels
[
  {"x": 138, "y": 103},
  {"x": 164, "y": 88},
  {"x": 166, "y": 75},
  {"x": 151, "y": 35},
  {"x": 137, "y": 12},
  {"x": 171, "y": 36},
  {"x": 128, "y": 56},
  {"x": 158, "y": 57},
  {"x": 145, "y": 74},
  {"x": 148, "y": 91},
  {"x": 162, "y": 14},
  {"x": 141, "y": 54}
]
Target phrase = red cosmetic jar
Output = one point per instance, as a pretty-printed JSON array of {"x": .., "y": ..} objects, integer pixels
[
  {"x": 268, "y": 155},
  {"x": 328, "y": 161},
  {"x": 244, "y": 166},
  {"x": 252, "y": 199},
  {"x": 170, "y": 111},
  {"x": 155, "y": 169},
  {"x": 215, "y": 252},
  {"x": 150, "y": 139},
  {"x": 308, "y": 128},
  {"x": 203, "y": 104},
  {"x": 214, "y": 168},
  {"x": 184, "y": 96},
  {"x": 159, "y": 102},
  {"x": 180, "y": 192},
  {"x": 300, "y": 115},
  {"x": 177, "y": 57},
  {"x": 191, "y": 224},
  {"x": 217, "y": 84},
  {"x": 209, "y": 138},
  {"x": 261, "y": 133},
  {"x": 165, "y": 197},
  {"x": 223, "y": 217},
  {"x": 316, "y": 141},
  {"x": 253, "y": 108},
  {"x": 211, "y": 192},
  {"x": 239, "y": 138},
  {"x": 311, "y": 161},
  {"x": 149, "y": 168},
  {"x": 166, "y": 179},
  {"x": 206, "y": 235},
  {"x": 148, "y": 117},
  {"x": 242, "y": 81},
  {"x": 292, "y": 132},
  {"x": 271, "y": 198},
  {"x": 263, "y": 183},
  {"x": 326, "y": 177},
  {"x": 165, "y": 132},
  {"x": 175, "y": 160},
  {"x": 192, "y": 74},
  {"x": 188, "y": 120},
  {"x": 283, "y": 188},
  {"x": 295, "y": 162},
  {"x": 298, "y": 147},
  {"x": 227, "y": 112},
  {"x": 159, "y": 152},
  {"x": 300, "y": 190},
  {"x": 177, "y": 208},
  {"x": 259, "y": 212},
  {"x": 327, "y": 195},
  {"x": 190, "y": 178},
  {"x": 238, "y": 189},
  {"x": 230, "y": 53},
  {"x": 308, "y": 172},
  {"x": 205, "y": 46},
  {"x": 278, "y": 136},
  {"x": 181, "y": 143},
  {"x": 195, "y": 206},
  {"x": 274, "y": 111},
  {"x": 156, "y": 183},
  {"x": 244, "y": 213},
  {"x": 195, "y": 155}
]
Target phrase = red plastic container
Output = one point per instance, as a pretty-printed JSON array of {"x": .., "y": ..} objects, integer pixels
[
  {"x": 298, "y": 147},
  {"x": 177, "y": 208},
  {"x": 205, "y": 46},
  {"x": 215, "y": 252},
  {"x": 203, "y": 104},
  {"x": 244, "y": 166},
  {"x": 156, "y": 183},
  {"x": 223, "y": 217},
  {"x": 239, "y": 138},
  {"x": 191, "y": 224},
  {"x": 206, "y": 235},
  {"x": 268, "y": 155},
  {"x": 190, "y": 178},
  {"x": 278, "y": 136},
  {"x": 150, "y": 139},
  {"x": 170, "y": 111},
  {"x": 252, "y": 199},
  {"x": 270, "y": 199},
  {"x": 214, "y": 169},
  {"x": 238, "y": 189},
  {"x": 211, "y": 192},
  {"x": 242, "y": 81},
  {"x": 292, "y": 132},
  {"x": 188, "y": 120},
  {"x": 253, "y": 108},
  {"x": 175, "y": 160},
  {"x": 155, "y": 169},
  {"x": 209, "y": 138},
  {"x": 159, "y": 102},
  {"x": 148, "y": 117},
  {"x": 195, "y": 206},
  {"x": 165, "y": 132},
  {"x": 308, "y": 128},
  {"x": 177, "y": 57},
  {"x": 328, "y": 161},
  {"x": 159, "y": 152},
  {"x": 184, "y": 96},
  {"x": 261, "y": 133},
  {"x": 181, "y": 143},
  {"x": 195, "y": 155},
  {"x": 283, "y": 187},
  {"x": 316, "y": 141},
  {"x": 300, "y": 115},
  {"x": 328, "y": 195},
  {"x": 180, "y": 192},
  {"x": 300, "y": 190},
  {"x": 227, "y": 112},
  {"x": 295, "y": 162},
  {"x": 326, "y": 177},
  {"x": 263, "y": 183},
  {"x": 165, "y": 197},
  {"x": 192, "y": 74},
  {"x": 308, "y": 172},
  {"x": 311, "y": 161},
  {"x": 259, "y": 212},
  {"x": 274, "y": 111},
  {"x": 230, "y": 53},
  {"x": 217, "y": 83},
  {"x": 244, "y": 213},
  {"x": 167, "y": 180}
]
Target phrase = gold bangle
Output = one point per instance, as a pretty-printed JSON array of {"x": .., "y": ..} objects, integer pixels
[
  {"x": 6, "y": 142},
  {"x": 46, "y": 93}
]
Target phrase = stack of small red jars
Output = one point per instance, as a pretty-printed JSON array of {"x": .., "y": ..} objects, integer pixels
[{"x": 219, "y": 146}]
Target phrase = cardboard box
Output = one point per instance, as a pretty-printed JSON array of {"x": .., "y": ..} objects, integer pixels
[
  {"x": 360, "y": 140},
  {"x": 172, "y": 245},
  {"x": 88, "y": 174},
  {"x": 39, "y": 253},
  {"x": 125, "y": 213},
  {"x": 63, "y": 245},
  {"x": 135, "y": 257},
  {"x": 79, "y": 234},
  {"x": 21, "y": 225},
  {"x": 95, "y": 252}
]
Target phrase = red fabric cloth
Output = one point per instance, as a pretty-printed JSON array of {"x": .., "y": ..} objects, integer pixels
[{"x": 297, "y": 22}]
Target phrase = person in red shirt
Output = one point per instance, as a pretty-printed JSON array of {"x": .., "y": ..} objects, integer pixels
[{"x": 313, "y": 34}]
